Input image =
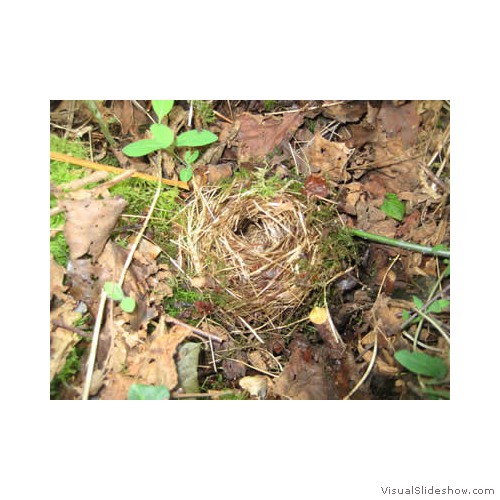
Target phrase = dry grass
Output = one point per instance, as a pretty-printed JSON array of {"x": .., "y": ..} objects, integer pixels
[{"x": 260, "y": 251}]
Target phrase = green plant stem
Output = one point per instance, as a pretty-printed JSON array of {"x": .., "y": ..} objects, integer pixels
[
  {"x": 92, "y": 106},
  {"x": 399, "y": 243}
]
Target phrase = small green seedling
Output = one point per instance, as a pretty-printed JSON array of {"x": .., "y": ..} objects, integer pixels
[
  {"x": 142, "y": 391},
  {"x": 438, "y": 306},
  {"x": 115, "y": 292},
  {"x": 393, "y": 207},
  {"x": 163, "y": 137}
]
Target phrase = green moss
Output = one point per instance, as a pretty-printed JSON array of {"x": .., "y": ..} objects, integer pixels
[
  {"x": 269, "y": 105},
  {"x": 67, "y": 374},
  {"x": 61, "y": 173},
  {"x": 205, "y": 111}
]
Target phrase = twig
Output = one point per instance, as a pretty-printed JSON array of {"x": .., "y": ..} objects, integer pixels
[
  {"x": 60, "y": 324},
  {"x": 175, "y": 321},
  {"x": 368, "y": 370},
  {"x": 114, "y": 170},
  {"x": 251, "y": 329},
  {"x": 93, "y": 346},
  {"x": 400, "y": 243}
]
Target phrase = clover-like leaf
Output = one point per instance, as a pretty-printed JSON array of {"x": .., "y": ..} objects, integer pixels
[
  {"x": 162, "y": 108},
  {"x": 191, "y": 156},
  {"x": 141, "y": 148},
  {"x": 162, "y": 134},
  {"x": 113, "y": 290},
  {"x": 195, "y": 138},
  {"x": 128, "y": 304},
  {"x": 186, "y": 174}
]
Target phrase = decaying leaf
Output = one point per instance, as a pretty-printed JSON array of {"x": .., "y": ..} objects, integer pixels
[
  {"x": 305, "y": 376},
  {"x": 89, "y": 224},
  {"x": 61, "y": 339},
  {"x": 315, "y": 185},
  {"x": 256, "y": 386},
  {"x": 57, "y": 273},
  {"x": 156, "y": 365},
  {"x": 329, "y": 158},
  {"x": 258, "y": 136}
]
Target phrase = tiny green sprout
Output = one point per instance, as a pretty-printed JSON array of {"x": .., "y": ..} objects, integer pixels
[
  {"x": 163, "y": 137},
  {"x": 115, "y": 292},
  {"x": 191, "y": 156},
  {"x": 393, "y": 207}
]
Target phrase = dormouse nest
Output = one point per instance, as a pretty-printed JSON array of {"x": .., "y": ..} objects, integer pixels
[{"x": 258, "y": 252}]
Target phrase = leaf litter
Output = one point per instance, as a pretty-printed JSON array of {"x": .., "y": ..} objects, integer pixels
[{"x": 347, "y": 155}]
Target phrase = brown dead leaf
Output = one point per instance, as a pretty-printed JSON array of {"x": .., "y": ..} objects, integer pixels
[
  {"x": 61, "y": 339},
  {"x": 400, "y": 121},
  {"x": 256, "y": 385},
  {"x": 305, "y": 376},
  {"x": 87, "y": 279},
  {"x": 329, "y": 158},
  {"x": 212, "y": 174},
  {"x": 89, "y": 224},
  {"x": 130, "y": 117},
  {"x": 346, "y": 112},
  {"x": 57, "y": 273},
  {"x": 315, "y": 185},
  {"x": 258, "y": 136},
  {"x": 156, "y": 364}
]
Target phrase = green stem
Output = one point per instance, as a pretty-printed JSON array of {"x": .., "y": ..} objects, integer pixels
[
  {"x": 400, "y": 243},
  {"x": 92, "y": 106}
]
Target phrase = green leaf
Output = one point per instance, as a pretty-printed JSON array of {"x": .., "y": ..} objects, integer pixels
[
  {"x": 422, "y": 364},
  {"x": 406, "y": 315},
  {"x": 194, "y": 138},
  {"x": 186, "y": 174},
  {"x": 191, "y": 156},
  {"x": 162, "y": 108},
  {"x": 162, "y": 134},
  {"x": 418, "y": 302},
  {"x": 128, "y": 304},
  {"x": 142, "y": 391},
  {"x": 438, "y": 306},
  {"x": 393, "y": 207},
  {"x": 141, "y": 148},
  {"x": 113, "y": 290}
]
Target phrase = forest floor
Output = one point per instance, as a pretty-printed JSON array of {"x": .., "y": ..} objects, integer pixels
[{"x": 250, "y": 249}]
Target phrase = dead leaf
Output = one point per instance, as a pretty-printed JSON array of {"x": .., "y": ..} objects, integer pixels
[
  {"x": 305, "y": 376},
  {"x": 256, "y": 386},
  {"x": 130, "y": 117},
  {"x": 315, "y": 185},
  {"x": 156, "y": 365},
  {"x": 62, "y": 340},
  {"x": 258, "y": 136},
  {"x": 57, "y": 273},
  {"x": 349, "y": 111},
  {"x": 89, "y": 224},
  {"x": 329, "y": 158},
  {"x": 400, "y": 121}
]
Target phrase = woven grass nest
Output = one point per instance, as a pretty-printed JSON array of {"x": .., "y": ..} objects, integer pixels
[{"x": 260, "y": 252}]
